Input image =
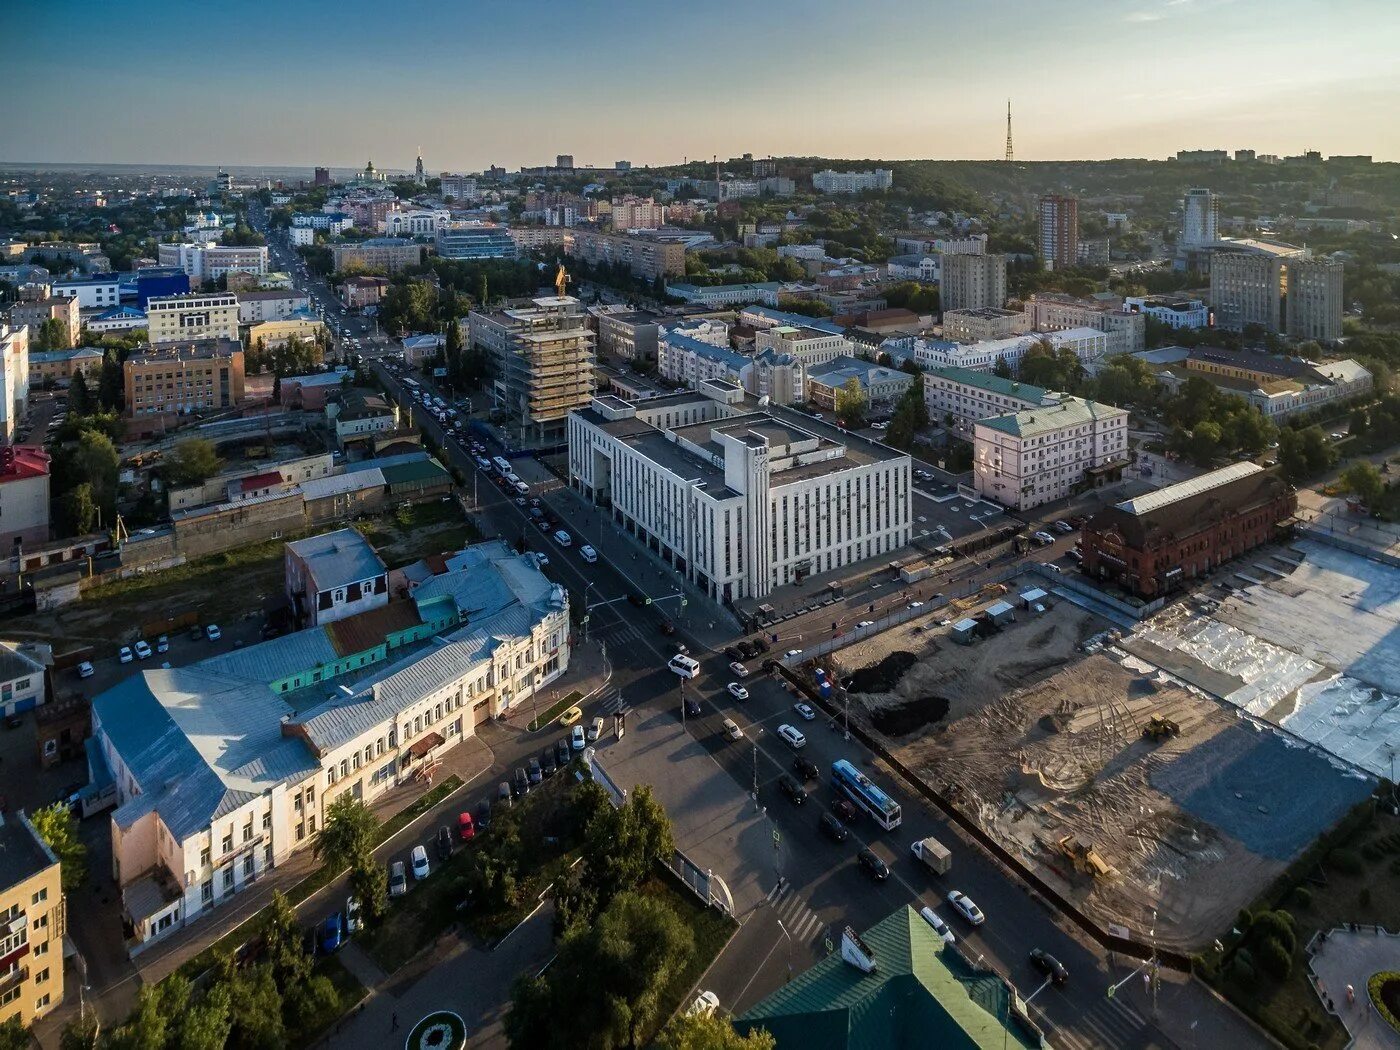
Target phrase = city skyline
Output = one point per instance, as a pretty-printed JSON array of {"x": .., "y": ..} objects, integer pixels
[{"x": 623, "y": 83}]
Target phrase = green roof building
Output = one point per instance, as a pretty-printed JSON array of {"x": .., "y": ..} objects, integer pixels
[{"x": 919, "y": 993}]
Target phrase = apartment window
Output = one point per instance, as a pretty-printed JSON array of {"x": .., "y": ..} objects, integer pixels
[
  {"x": 248, "y": 866},
  {"x": 9, "y": 997},
  {"x": 311, "y": 825},
  {"x": 42, "y": 895},
  {"x": 41, "y": 976},
  {"x": 41, "y": 949},
  {"x": 42, "y": 1001},
  {"x": 228, "y": 879},
  {"x": 267, "y": 821},
  {"x": 301, "y": 832},
  {"x": 248, "y": 830},
  {"x": 228, "y": 843},
  {"x": 206, "y": 891},
  {"x": 311, "y": 794},
  {"x": 296, "y": 803}
]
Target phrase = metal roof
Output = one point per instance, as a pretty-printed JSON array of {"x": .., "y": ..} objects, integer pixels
[
  {"x": 987, "y": 381},
  {"x": 334, "y": 559},
  {"x": 1044, "y": 419},
  {"x": 357, "y": 481},
  {"x": 1185, "y": 489}
]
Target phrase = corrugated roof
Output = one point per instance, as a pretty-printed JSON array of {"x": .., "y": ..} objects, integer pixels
[
  {"x": 1069, "y": 412},
  {"x": 409, "y": 473},
  {"x": 1191, "y": 487},
  {"x": 340, "y": 484},
  {"x": 992, "y": 383},
  {"x": 277, "y": 658},
  {"x": 363, "y": 631}
]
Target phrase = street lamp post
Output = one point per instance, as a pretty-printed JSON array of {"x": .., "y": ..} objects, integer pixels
[{"x": 757, "y": 732}]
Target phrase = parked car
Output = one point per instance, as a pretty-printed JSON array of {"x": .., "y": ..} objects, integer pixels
[
  {"x": 352, "y": 915},
  {"x": 805, "y": 768},
  {"x": 331, "y": 937},
  {"x": 398, "y": 881},
  {"x": 872, "y": 865},
  {"x": 1050, "y": 966},
  {"x": 503, "y": 794},
  {"x": 832, "y": 828},
  {"x": 704, "y": 1005},
  {"x": 804, "y": 710},
  {"x": 792, "y": 789},
  {"x": 520, "y": 785},
  {"x": 739, "y": 669},
  {"x": 547, "y": 764},
  {"x": 212, "y": 632},
  {"x": 466, "y": 827},
  {"x": 163, "y": 644},
  {"x": 483, "y": 815},
  {"x": 562, "y": 753},
  {"x": 792, "y": 653},
  {"x": 571, "y": 716},
  {"x": 124, "y": 654},
  {"x": 1063, "y": 527},
  {"x": 594, "y": 730},
  {"x": 143, "y": 650},
  {"x": 692, "y": 707},
  {"x": 196, "y": 633},
  {"x": 577, "y": 738},
  {"x": 86, "y": 670},
  {"x": 418, "y": 860},
  {"x": 734, "y": 653},
  {"x": 964, "y": 906},
  {"x": 732, "y": 730},
  {"x": 792, "y": 737},
  {"x": 939, "y": 926},
  {"x": 1043, "y": 538},
  {"x": 737, "y": 691}
]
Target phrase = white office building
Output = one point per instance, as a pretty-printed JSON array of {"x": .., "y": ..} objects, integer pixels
[
  {"x": 958, "y": 398},
  {"x": 210, "y": 261},
  {"x": 738, "y": 499},
  {"x": 829, "y": 181},
  {"x": 1088, "y": 343},
  {"x": 1174, "y": 311},
  {"x": 95, "y": 291},
  {"x": 682, "y": 359},
  {"x": 1041, "y": 454},
  {"x": 811, "y": 346},
  {"x": 1053, "y": 311},
  {"x": 420, "y": 222},
  {"x": 275, "y": 305}
]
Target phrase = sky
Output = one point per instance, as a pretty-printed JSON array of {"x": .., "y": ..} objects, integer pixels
[{"x": 515, "y": 82}]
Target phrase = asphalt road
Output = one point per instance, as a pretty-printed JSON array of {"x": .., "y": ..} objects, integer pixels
[{"x": 824, "y": 889}]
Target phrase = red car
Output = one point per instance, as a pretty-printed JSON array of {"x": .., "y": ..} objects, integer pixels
[
  {"x": 845, "y": 809},
  {"x": 466, "y": 827}
]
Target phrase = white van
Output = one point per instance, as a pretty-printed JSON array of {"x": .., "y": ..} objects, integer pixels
[
  {"x": 563, "y": 539},
  {"x": 684, "y": 666},
  {"x": 588, "y": 554},
  {"x": 520, "y": 486},
  {"x": 501, "y": 464}
]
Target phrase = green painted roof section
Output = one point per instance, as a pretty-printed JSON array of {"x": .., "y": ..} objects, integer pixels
[
  {"x": 1069, "y": 412},
  {"x": 424, "y": 470},
  {"x": 922, "y": 994},
  {"x": 993, "y": 383}
]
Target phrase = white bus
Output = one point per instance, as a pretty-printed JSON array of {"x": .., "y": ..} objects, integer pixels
[
  {"x": 684, "y": 666},
  {"x": 501, "y": 464}
]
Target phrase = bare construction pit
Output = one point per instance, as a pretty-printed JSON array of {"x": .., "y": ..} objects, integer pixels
[{"x": 1045, "y": 746}]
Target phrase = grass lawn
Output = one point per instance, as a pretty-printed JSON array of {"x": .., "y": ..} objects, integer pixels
[
  {"x": 712, "y": 931},
  {"x": 1290, "y": 1009},
  {"x": 349, "y": 991},
  {"x": 429, "y": 908}
]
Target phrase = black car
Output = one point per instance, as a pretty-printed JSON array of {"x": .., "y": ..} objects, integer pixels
[
  {"x": 1049, "y": 965},
  {"x": 692, "y": 707},
  {"x": 734, "y": 652},
  {"x": 504, "y": 794},
  {"x": 547, "y": 763},
  {"x": 876, "y": 868},
  {"x": 832, "y": 828},
  {"x": 792, "y": 789},
  {"x": 562, "y": 755},
  {"x": 444, "y": 843},
  {"x": 536, "y": 773},
  {"x": 667, "y": 627},
  {"x": 639, "y": 600},
  {"x": 805, "y": 768},
  {"x": 747, "y": 650},
  {"x": 483, "y": 815},
  {"x": 521, "y": 786}
]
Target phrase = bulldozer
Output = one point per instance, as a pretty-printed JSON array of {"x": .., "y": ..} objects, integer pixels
[
  {"x": 1085, "y": 858},
  {"x": 1159, "y": 728}
]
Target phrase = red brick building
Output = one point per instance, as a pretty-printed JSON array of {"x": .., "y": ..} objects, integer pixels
[{"x": 1155, "y": 543}]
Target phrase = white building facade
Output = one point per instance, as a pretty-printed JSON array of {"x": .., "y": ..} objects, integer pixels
[
  {"x": 739, "y": 501},
  {"x": 829, "y": 181},
  {"x": 1038, "y": 455},
  {"x": 957, "y": 398}
]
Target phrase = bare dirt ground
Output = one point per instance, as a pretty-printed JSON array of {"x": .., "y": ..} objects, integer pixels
[{"x": 1045, "y": 745}]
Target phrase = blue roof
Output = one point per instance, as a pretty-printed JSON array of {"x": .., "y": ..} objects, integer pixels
[
  {"x": 54, "y": 356},
  {"x": 90, "y": 278},
  {"x": 121, "y": 311},
  {"x": 795, "y": 320},
  {"x": 720, "y": 354}
]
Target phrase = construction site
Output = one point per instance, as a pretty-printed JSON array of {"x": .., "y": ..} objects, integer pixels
[{"x": 1126, "y": 788}]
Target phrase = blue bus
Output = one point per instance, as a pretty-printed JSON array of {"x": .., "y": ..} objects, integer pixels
[{"x": 861, "y": 790}]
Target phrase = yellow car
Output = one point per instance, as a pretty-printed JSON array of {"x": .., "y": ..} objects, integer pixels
[{"x": 571, "y": 716}]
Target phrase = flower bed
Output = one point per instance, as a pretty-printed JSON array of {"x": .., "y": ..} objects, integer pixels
[
  {"x": 440, "y": 1030},
  {"x": 1384, "y": 989}
]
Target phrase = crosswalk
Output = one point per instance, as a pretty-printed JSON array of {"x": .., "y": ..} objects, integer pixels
[
  {"x": 613, "y": 702},
  {"x": 1108, "y": 1023},
  {"x": 800, "y": 921},
  {"x": 620, "y": 633}
]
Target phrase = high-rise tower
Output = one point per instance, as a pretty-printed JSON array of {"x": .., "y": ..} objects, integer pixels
[{"x": 1010, "y": 154}]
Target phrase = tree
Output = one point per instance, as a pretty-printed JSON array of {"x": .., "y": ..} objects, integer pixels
[
  {"x": 52, "y": 335},
  {"x": 80, "y": 400},
  {"x": 205, "y": 1024},
  {"x": 95, "y": 461},
  {"x": 13, "y": 1034},
  {"x": 81, "y": 1033},
  {"x": 80, "y": 509},
  {"x": 255, "y": 1005},
  {"x": 192, "y": 461},
  {"x": 1204, "y": 443},
  {"x": 59, "y": 830},
  {"x": 851, "y": 404},
  {"x": 711, "y": 1032},
  {"x": 1002, "y": 370},
  {"x": 910, "y": 415},
  {"x": 623, "y": 844},
  {"x": 1364, "y": 481},
  {"x": 348, "y": 835},
  {"x": 283, "y": 946},
  {"x": 369, "y": 883}
]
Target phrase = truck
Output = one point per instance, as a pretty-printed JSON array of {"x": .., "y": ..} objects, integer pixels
[{"x": 933, "y": 855}]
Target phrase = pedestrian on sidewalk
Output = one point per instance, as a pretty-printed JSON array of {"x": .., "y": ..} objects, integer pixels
[{"x": 394, "y": 1024}]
